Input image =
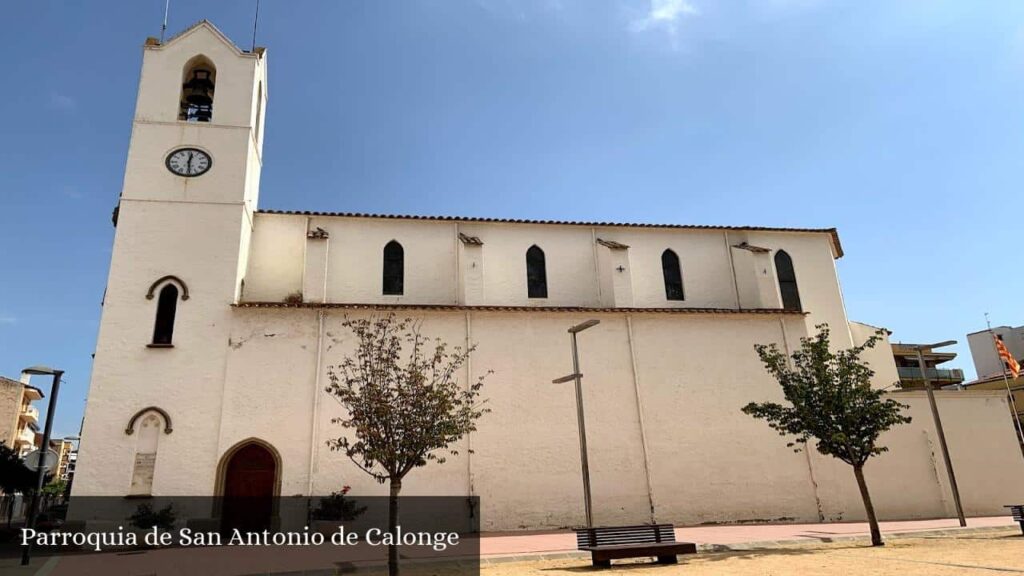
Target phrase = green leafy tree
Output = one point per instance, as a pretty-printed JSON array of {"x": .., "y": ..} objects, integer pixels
[
  {"x": 55, "y": 488},
  {"x": 404, "y": 404},
  {"x": 831, "y": 401}
]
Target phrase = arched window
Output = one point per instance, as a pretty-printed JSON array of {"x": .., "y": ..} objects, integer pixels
[
  {"x": 198, "y": 82},
  {"x": 536, "y": 273},
  {"x": 394, "y": 269},
  {"x": 787, "y": 281},
  {"x": 166, "y": 306},
  {"x": 673, "y": 275},
  {"x": 145, "y": 454}
]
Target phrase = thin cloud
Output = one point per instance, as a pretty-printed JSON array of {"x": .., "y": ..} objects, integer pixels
[
  {"x": 8, "y": 320},
  {"x": 664, "y": 14},
  {"x": 63, "y": 102}
]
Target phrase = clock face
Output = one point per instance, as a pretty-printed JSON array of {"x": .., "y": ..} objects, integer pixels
[{"x": 189, "y": 162}]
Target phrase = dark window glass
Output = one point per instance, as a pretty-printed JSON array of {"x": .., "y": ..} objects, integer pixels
[
  {"x": 394, "y": 269},
  {"x": 673, "y": 275},
  {"x": 536, "y": 273},
  {"x": 166, "y": 305},
  {"x": 787, "y": 281}
]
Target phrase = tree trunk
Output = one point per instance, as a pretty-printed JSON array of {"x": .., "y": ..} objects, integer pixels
[
  {"x": 876, "y": 534},
  {"x": 396, "y": 487}
]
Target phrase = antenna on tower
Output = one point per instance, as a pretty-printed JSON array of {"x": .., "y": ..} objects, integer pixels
[
  {"x": 255, "y": 21},
  {"x": 163, "y": 28}
]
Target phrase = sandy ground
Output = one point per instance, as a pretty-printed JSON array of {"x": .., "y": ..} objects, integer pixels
[{"x": 989, "y": 553}]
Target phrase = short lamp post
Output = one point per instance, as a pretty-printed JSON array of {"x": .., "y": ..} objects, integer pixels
[
  {"x": 938, "y": 425},
  {"x": 33, "y": 509},
  {"x": 577, "y": 376}
]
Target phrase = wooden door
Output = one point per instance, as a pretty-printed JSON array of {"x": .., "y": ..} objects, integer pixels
[{"x": 249, "y": 480}]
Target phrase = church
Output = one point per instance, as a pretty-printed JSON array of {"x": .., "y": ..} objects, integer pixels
[{"x": 220, "y": 320}]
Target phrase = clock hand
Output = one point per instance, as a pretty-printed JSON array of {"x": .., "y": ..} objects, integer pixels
[{"x": 189, "y": 168}]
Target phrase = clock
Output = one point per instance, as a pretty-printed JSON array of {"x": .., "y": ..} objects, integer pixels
[{"x": 189, "y": 162}]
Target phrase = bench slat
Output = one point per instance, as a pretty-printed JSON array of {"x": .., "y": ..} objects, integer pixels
[
  {"x": 625, "y": 535},
  {"x": 606, "y": 543}
]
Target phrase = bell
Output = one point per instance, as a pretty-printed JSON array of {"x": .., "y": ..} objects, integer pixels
[{"x": 199, "y": 90}]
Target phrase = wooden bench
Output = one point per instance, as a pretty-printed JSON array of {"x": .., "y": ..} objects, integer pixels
[
  {"x": 1018, "y": 515},
  {"x": 615, "y": 542}
]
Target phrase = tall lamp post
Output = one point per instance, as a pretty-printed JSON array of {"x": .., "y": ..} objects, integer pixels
[
  {"x": 26, "y": 550},
  {"x": 577, "y": 377},
  {"x": 938, "y": 425}
]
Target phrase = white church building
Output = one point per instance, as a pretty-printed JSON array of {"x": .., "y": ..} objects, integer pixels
[{"x": 220, "y": 320}]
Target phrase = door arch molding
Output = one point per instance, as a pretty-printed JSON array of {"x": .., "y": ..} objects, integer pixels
[
  {"x": 222, "y": 466},
  {"x": 227, "y": 506}
]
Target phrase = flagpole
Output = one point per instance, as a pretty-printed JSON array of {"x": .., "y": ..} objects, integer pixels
[{"x": 1006, "y": 381}]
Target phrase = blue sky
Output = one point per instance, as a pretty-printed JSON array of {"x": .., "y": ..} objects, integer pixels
[{"x": 899, "y": 122}]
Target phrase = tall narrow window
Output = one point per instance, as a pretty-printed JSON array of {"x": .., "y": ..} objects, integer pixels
[
  {"x": 536, "y": 273},
  {"x": 259, "y": 111},
  {"x": 166, "y": 305},
  {"x": 394, "y": 269},
  {"x": 787, "y": 281},
  {"x": 673, "y": 275}
]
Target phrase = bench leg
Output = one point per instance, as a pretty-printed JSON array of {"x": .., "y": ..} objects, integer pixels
[
  {"x": 601, "y": 563},
  {"x": 1022, "y": 527},
  {"x": 668, "y": 559}
]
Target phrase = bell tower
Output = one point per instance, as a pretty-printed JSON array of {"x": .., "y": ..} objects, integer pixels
[
  {"x": 183, "y": 225},
  {"x": 198, "y": 91}
]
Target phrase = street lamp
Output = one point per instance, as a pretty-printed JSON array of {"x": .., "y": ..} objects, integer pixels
[
  {"x": 938, "y": 425},
  {"x": 41, "y": 471},
  {"x": 577, "y": 376}
]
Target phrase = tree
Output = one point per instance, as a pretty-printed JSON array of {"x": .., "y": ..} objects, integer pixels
[
  {"x": 404, "y": 404},
  {"x": 14, "y": 477},
  {"x": 832, "y": 401}
]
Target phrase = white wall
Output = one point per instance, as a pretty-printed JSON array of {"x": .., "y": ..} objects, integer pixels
[
  {"x": 879, "y": 357},
  {"x": 708, "y": 462},
  {"x": 433, "y": 275}
]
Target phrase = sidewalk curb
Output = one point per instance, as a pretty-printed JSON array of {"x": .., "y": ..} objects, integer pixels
[
  {"x": 770, "y": 544},
  {"x": 758, "y": 545}
]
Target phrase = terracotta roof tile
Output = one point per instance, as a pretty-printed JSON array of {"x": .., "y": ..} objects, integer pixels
[{"x": 455, "y": 307}]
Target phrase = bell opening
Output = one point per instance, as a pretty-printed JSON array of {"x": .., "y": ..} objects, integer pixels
[{"x": 197, "y": 92}]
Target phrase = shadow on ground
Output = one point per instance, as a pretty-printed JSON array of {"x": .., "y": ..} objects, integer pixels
[{"x": 703, "y": 557}]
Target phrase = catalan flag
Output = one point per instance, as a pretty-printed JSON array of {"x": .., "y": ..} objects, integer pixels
[{"x": 1006, "y": 357}]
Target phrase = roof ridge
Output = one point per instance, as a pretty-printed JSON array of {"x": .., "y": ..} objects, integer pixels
[
  {"x": 832, "y": 231},
  {"x": 212, "y": 26}
]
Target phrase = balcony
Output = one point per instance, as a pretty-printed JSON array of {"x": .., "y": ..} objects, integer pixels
[
  {"x": 30, "y": 414},
  {"x": 945, "y": 375},
  {"x": 27, "y": 436}
]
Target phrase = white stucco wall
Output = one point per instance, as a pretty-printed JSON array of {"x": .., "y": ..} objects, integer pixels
[
  {"x": 879, "y": 357},
  {"x": 708, "y": 462},
  {"x": 577, "y": 273}
]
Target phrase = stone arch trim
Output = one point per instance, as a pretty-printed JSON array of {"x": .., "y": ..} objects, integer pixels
[
  {"x": 222, "y": 465},
  {"x": 169, "y": 278},
  {"x": 163, "y": 414}
]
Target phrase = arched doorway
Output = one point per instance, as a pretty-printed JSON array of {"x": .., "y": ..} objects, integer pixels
[{"x": 249, "y": 480}]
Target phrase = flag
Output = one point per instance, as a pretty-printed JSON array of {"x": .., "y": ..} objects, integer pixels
[{"x": 1004, "y": 354}]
